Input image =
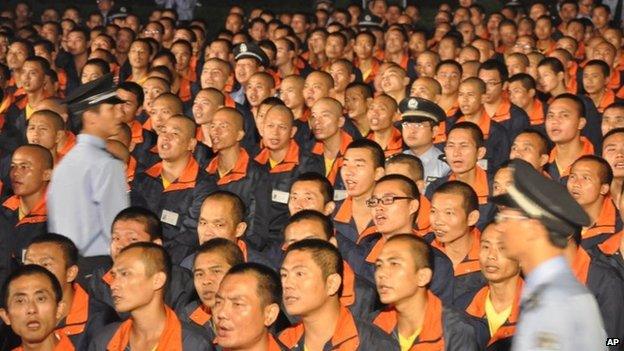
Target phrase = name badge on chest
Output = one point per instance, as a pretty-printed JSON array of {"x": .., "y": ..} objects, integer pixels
[
  {"x": 169, "y": 217},
  {"x": 279, "y": 196}
]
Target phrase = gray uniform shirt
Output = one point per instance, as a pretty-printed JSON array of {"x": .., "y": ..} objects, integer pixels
[
  {"x": 557, "y": 312},
  {"x": 88, "y": 189}
]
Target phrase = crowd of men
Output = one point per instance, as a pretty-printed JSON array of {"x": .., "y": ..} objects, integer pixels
[{"x": 342, "y": 179}]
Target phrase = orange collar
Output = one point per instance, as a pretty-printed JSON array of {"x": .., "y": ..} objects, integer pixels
[
  {"x": 345, "y": 215},
  {"x": 348, "y": 285},
  {"x": 38, "y": 214},
  {"x": 484, "y": 123},
  {"x": 607, "y": 99},
  {"x": 201, "y": 315},
  {"x": 503, "y": 112},
  {"x": 170, "y": 339},
  {"x": 453, "y": 109},
  {"x": 612, "y": 245},
  {"x": 345, "y": 336},
  {"x": 395, "y": 143},
  {"x": 148, "y": 124},
  {"x": 480, "y": 185},
  {"x": 64, "y": 344},
  {"x": 290, "y": 161},
  {"x": 345, "y": 140},
  {"x": 477, "y": 309},
  {"x": 587, "y": 149},
  {"x": 108, "y": 278},
  {"x": 605, "y": 224},
  {"x": 237, "y": 173},
  {"x": 431, "y": 337},
  {"x": 137, "y": 131},
  {"x": 243, "y": 246},
  {"x": 614, "y": 80},
  {"x": 6, "y": 103},
  {"x": 580, "y": 265},
  {"x": 70, "y": 142},
  {"x": 470, "y": 263},
  {"x": 131, "y": 168},
  {"x": 423, "y": 224},
  {"x": 305, "y": 115},
  {"x": 319, "y": 149},
  {"x": 185, "y": 181},
  {"x": 273, "y": 345},
  {"x": 537, "y": 113},
  {"x": 78, "y": 315}
]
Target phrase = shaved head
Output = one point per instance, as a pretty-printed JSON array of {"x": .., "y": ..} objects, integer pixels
[
  {"x": 333, "y": 104},
  {"x": 40, "y": 153},
  {"x": 232, "y": 115},
  {"x": 188, "y": 125},
  {"x": 281, "y": 110}
]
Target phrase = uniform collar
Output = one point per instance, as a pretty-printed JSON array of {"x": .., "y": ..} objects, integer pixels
[
  {"x": 580, "y": 265},
  {"x": 70, "y": 142},
  {"x": 605, "y": 223},
  {"x": 64, "y": 343},
  {"x": 170, "y": 338},
  {"x": 503, "y": 112},
  {"x": 348, "y": 297},
  {"x": 186, "y": 180},
  {"x": 201, "y": 315},
  {"x": 290, "y": 161},
  {"x": 136, "y": 130},
  {"x": 612, "y": 245},
  {"x": 345, "y": 336},
  {"x": 431, "y": 336},
  {"x": 587, "y": 149},
  {"x": 484, "y": 123},
  {"x": 92, "y": 140},
  {"x": 470, "y": 263},
  {"x": 237, "y": 173},
  {"x": 37, "y": 214},
  {"x": 78, "y": 312},
  {"x": 544, "y": 273},
  {"x": 395, "y": 143},
  {"x": 480, "y": 186}
]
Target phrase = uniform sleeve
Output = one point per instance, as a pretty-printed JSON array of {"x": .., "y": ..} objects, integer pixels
[{"x": 110, "y": 192}]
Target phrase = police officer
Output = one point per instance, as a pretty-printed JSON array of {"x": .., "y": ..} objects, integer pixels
[{"x": 557, "y": 312}]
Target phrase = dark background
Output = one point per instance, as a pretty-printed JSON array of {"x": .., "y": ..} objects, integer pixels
[{"x": 214, "y": 11}]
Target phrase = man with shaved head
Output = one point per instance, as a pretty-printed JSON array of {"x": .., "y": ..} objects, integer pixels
[
  {"x": 23, "y": 216},
  {"x": 70, "y": 125},
  {"x": 206, "y": 103},
  {"x": 46, "y": 128},
  {"x": 175, "y": 187},
  {"x": 284, "y": 160},
  {"x": 331, "y": 140},
  {"x": 260, "y": 86},
  {"x": 238, "y": 173},
  {"x": 140, "y": 276}
]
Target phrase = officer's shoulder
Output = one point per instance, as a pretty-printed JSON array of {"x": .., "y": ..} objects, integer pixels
[{"x": 562, "y": 288}]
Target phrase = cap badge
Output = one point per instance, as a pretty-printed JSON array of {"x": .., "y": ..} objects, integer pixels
[
  {"x": 243, "y": 48},
  {"x": 412, "y": 104},
  {"x": 367, "y": 18}
]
